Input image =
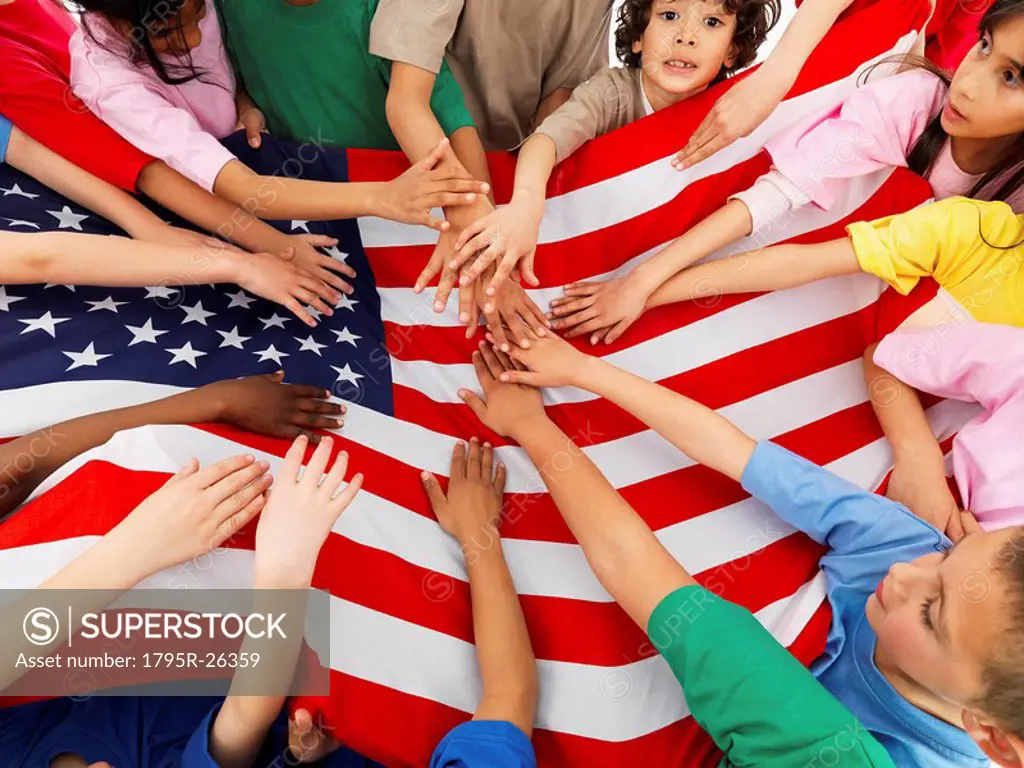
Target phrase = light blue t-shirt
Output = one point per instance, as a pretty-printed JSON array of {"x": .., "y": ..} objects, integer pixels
[
  {"x": 866, "y": 534},
  {"x": 484, "y": 744},
  {"x": 5, "y": 136}
]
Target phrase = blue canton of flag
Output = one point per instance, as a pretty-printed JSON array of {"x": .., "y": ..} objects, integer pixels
[{"x": 190, "y": 335}]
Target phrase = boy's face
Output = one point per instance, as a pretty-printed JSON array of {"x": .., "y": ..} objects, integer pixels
[
  {"x": 939, "y": 617},
  {"x": 686, "y": 44}
]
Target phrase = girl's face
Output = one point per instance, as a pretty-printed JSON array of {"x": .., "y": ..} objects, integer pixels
[
  {"x": 177, "y": 34},
  {"x": 986, "y": 99}
]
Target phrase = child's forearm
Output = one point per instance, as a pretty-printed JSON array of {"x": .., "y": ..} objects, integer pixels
[
  {"x": 773, "y": 269},
  {"x": 80, "y": 186},
  {"x": 507, "y": 665},
  {"x": 536, "y": 163},
  {"x": 28, "y": 460},
  {"x": 209, "y": 212},
  {"x": 724, "y": 226},
  {"x": 625, "y": 555},
  {"x": 807, "y": 29},
  {"x": 80, "y": 259},
  {"x": 283, "y": 198},
  {"x": 699, "y": 432}
]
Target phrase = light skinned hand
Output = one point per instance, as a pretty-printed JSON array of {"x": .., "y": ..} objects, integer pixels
[
  {"x": 924, "y": 491},
  {"x": 195, "y": 511},
  {"x": 323, "y": 267},
  {"x": 176, "y": 237},
  {"x": 279, "y": 279},
  {"x": 605, "y": 310},
  {"x": 300, "y": 514},
  {"x": 548, "y": 362},
  {"x": 412, "y": 196},
  {"x": 504, "y": 408},
  {"x": 255, "y": 125},
  {"x": 736, "y": 114},
  {"x": 507, "y": 238},
  {"x": 512, "y": 316},
  {"x": 473, "y": 504},
  {"x": 307, "y": 741}
]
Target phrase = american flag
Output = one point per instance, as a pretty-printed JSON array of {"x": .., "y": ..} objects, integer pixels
[{"x": 784, "y": 366}]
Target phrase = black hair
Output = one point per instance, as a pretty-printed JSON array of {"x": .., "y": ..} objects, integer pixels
[
  {"x": 139, "y": 16},
  {"x": 754, "y": 20}
]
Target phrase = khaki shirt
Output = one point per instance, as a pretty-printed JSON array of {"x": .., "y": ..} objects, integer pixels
[
  {"x": 508, "y": 55},
  {"x": 609, "y": 100}
]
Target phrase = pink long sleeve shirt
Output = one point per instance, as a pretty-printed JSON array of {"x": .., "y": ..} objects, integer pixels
[
  {"x": 983, "y": 363},
  {"x": 876, "y": 126},
  {"x": 179, "y": 124}
]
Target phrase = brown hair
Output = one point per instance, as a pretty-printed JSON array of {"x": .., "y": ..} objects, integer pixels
[
  {"x": 1003, "y": 675},
  {"x": 754, "y": 20},
  {"x": 929, "y": 145}
]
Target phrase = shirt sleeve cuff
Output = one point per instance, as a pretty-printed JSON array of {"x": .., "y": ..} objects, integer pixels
[
  {"x": 197, "y": 751},
  {"x": 205, "y": 171},
  {"x": 769, "y": 199},
  {"x": 485, "y": 742}
]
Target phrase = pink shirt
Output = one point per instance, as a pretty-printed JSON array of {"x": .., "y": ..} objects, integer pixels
[
  {"x": 982, "y": 363},
  {"x": 179, "y": 124},
  {"x": 874, "y": 127}
]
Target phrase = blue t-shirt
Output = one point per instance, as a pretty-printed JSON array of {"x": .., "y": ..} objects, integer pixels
[
  {"x": 134, "y": 732},
  {"x": 5, "y": 136},
  {"x": 866, "y": 534},
  {"x": 484, "y": 744}
]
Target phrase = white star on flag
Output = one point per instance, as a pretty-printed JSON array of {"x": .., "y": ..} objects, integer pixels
[
  {"x": 185, "y": 354},
  {"x": 233, "y": 338},
  {"x": 300, "y": 224},
  {"x": 336, "y": 253},
  {"x": 270, "y": 354},
  {"x": 346, "y": 302},
  {"x": 16, "y": 190},
  {"x": 160, "y": 292},
  {"x": 345, "y": 336},
  {"x": 62, "y": 285},
  {"x": 346, "y": 374},
  {"x": 196, "y": 314},
  {"x": 6, "y": 299},
  {"x": 107, "y": 303},
  {"x": 310, "y": 345},
  {"x": 274, "y": 321},
  {"x": 46, "y": 323},
  {"x": 240, "y": 299},
  {"x": 68, "y": 219},
  {"x": 144, "y": 333},
  {"x": 87, "y": 357}
]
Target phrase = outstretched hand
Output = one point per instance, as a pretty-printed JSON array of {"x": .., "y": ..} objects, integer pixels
[
  {"x": 504, "y": 408},
  {"x": 412, "y": 196},
  {"x": 550, "y": 361},
  {"x": 472, "y": 505}
]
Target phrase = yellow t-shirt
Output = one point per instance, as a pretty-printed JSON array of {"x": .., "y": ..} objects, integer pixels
[{"x": 973, "y": 249}]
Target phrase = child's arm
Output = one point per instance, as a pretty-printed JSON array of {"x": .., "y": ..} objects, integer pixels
[
  {"x": 743, "y": 108},
  {"x": 607, "y": 309},
  {"x": 626, "y": 557},
  {"x": 193, "y": 513},
  {"x": 79, "y": 186},
  {"x": 258, "y": 403},
  {"x": 471, "y": 512},
  {"x": 80, "y": 259},
  {"x": 295, "y": 523},
  {"x": 699, "y": 432},
  {"x": 919, "y": 476},
  {"x": 215, "y": 214},
  {"x": 772, "y": 269},
  {"x": 409, "y": 198}
]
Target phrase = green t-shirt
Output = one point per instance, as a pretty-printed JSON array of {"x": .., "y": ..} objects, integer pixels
[
  {"x": 309, "y": 70},
  {"x": 758, "y": 703}
]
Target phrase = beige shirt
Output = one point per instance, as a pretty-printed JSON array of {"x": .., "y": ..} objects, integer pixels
[
  {"x": 609, "y": 100},
  {"x": 508, "y": 55}
]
